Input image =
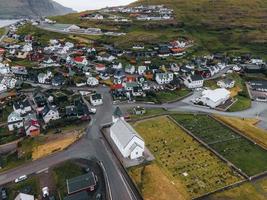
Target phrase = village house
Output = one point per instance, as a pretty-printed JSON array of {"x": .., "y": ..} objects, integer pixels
[
  {"x": 92, "y": 81},
  {"x": 31, "y": 125},
  {"x": 130, "y": 69},
  {"x": 50, "y": 113},
  {"x": 141, "y": 70},
  {"x": 96, "y": 99},
  {"x": 193, "y": 81},
  {"x": 127, "y": 140},
  {"x": 44, "y": 77},
  {"x": 22, "y": 106},
  {"x": 214, "y": 98},
  {"x": 72, "y": 28},
  {"x": 22, "y": 196},
  {"x": 8, "y": 81},
  {"x": 226, "y": 83},
  {"x": 3, "y": 88},
  {"x": 164, "y": 78},
  {"x": 14, "y": 121},
  {"x": 81, "y": 60}
]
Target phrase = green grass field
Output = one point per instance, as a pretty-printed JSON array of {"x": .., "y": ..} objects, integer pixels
[
  {"x": 165, "y": 96},
  {"x": 183, "y": 159},
  {"x": 249, "y": 157}
]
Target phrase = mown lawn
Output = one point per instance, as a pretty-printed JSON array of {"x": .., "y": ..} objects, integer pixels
[
  {"x": 248, "y": 127},
  {"x": 165, "y": 96},
  {"x": 242, "y": 103},
  {"x": 249, "y": 157},
  {"x": 154, "y": 184},
  {"x": 182, "y": 159},
  {"x": 247, "y": 191}
]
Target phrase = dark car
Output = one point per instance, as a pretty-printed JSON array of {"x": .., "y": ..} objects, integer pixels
[{"x": 3, "y": 193}]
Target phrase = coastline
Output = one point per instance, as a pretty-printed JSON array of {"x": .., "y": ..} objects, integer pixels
[{"x": 7, "y": 22}]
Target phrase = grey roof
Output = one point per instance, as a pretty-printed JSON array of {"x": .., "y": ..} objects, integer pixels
[
  {"x": 80, "y": 183},
  {"x": 124, "y": 132}
]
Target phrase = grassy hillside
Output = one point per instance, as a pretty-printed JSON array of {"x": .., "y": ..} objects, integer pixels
[
  {"x": 219, "y": 25},
  {"x": 235, "y": 26}
]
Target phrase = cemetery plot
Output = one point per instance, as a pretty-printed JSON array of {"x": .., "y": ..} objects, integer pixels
[
  {"x": 184, "y": 160},
  {"x": 244, "y": 154}
]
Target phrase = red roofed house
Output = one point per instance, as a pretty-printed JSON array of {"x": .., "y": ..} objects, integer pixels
[
  {"x": 2, "y": 51},
  {"x": 117, "y": 87},
  {"x": 81, "y": 60},
  {"x": 100, "y": 67},
  {"x": 31, "y": 125}
]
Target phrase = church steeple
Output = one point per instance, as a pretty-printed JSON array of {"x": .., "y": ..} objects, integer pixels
[{"x": 117, "y": 114}]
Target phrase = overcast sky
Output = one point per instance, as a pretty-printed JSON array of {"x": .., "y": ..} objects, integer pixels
[{"x": 81, "y": 5}]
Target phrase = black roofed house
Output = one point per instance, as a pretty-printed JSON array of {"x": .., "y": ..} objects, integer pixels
[
  {"x": 194, "y": 81},
  {"x": 40, "y": 100},
  {"x": 58, "y": 80},
  {"x": 96, "y": 99},
  {"x": 86, "y": 182},
  {"x": 164, "y": 51},
  {"x": 253, "y": 68},
  {"x": 71, "y": 111},
  {"x": 50, "y": 113},
  {"x": 22, "y": 106}
]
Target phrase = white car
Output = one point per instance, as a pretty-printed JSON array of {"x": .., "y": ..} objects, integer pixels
[
  {"x": 21, "y": 178},
  {"x": 45, "y": 191}
]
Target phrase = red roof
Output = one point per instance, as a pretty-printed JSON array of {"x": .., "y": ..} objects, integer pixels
[
  {"x": 2, "y": 50},
  {"x": 177, "y": 50},
  {"x": 116, "y": 86},
  {"x": 79, "y": 59}
]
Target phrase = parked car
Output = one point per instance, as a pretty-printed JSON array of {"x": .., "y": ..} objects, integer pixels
[
  {"x": 21, "y": 178},
  {"x": 45, "y": 191},
  {"x": 3, "y": 193},
  {"x": 92, "y": 110},
  {"x": 98, "y": 197}
]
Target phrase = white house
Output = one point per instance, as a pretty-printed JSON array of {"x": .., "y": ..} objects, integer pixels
[
  {"x": 96, "y": 99},
  {"x": 3, "y": 88},
  {"x": 164, "y": 78},
  {"x": 72, "y": 28},
  {"x": 127, "y": 140},
  {"x": 214, "y": 98},
  {"x": 50, "y": 113},
  {"x": 43, "y": 77},
  {"x": 130, "y": 69},
  {"x": 22, "y": 196},
  {"x": 141, "y": 70},
  {"x": 4, "y": 69},
  {"x": 106, "y": 57},
  {"x": 9, "y": 82},
  {"x": 92, "y": 81},
  {"x": 194, "y": 81},
  {"x": 226, "y": 83},
  {"x": 14, "y": 121}
]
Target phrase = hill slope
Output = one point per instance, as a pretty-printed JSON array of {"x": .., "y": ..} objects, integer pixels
[
  {"x": 233, "y": 26},
  {"x": 26, "y": 8}
]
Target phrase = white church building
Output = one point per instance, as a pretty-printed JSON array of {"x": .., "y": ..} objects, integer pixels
[{"x": 127, "y": 140}]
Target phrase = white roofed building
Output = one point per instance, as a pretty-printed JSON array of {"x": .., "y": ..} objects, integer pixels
[
  {"x": 127, "y": 140},
  {"x": 214, "y": 98},
  {"x": 22, "y": 196}
]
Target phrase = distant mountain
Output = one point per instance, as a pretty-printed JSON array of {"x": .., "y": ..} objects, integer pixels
[{"x": 26, "y": 8}]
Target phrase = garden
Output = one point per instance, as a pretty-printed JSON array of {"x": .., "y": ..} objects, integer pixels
[
  {"x": 182, "y": 159},
  {"x": 244, "y": 154}
]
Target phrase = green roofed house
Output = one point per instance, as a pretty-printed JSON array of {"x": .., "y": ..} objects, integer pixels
[
  {"x": 86, "y": 182},
  {"x": 78, "y": 196}
]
